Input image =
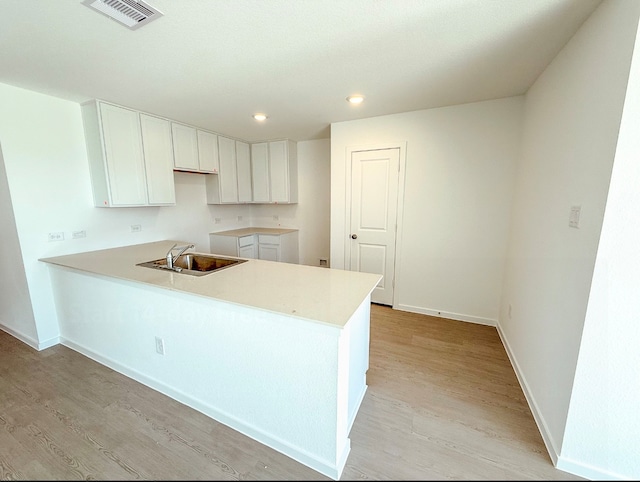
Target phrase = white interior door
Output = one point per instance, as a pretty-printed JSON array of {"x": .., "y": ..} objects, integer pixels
[{"x": 374, "y": 208}]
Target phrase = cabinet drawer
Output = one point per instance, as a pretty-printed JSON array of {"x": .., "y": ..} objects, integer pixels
[
  {"x": 245, "y": 241},
  {"x": 268, "y": 239}
]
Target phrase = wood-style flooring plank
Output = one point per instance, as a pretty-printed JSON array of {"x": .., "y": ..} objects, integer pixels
[{"x": 443, "y": 402}]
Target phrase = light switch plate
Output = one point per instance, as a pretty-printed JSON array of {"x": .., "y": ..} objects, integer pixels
[{"x": 574, "y": 217}]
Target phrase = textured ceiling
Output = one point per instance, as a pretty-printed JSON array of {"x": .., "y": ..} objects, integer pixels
[{"x": 213, "y": 63}]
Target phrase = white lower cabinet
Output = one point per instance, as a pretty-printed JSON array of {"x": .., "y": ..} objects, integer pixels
[
  {"x": 269, "y": 247},
  {"x": 270, "y": 252},
  {"x": 247, "y": 246},
  {"x": 280, "y": 246}
]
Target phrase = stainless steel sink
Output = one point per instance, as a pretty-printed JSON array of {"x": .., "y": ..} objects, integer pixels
[{"x": 194, "y": 264}]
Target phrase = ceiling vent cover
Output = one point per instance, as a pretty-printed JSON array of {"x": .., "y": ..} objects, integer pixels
[{"x": 131, "y": 13}]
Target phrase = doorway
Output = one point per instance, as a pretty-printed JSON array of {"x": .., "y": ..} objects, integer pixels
[{"x": 374, "y": 204}]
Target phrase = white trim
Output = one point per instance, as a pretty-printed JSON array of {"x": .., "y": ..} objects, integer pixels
[
  {"x": 399, "y": 217},
  {"x": 446, "y": 314}
]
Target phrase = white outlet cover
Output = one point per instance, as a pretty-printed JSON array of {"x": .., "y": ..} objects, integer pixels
[{"x": 58, "y": 236}]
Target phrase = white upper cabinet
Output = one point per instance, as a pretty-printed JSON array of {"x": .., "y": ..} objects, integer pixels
[
  {"x": 260, "y": 172},
  {"x": 274, "y": 172},
  {"x": 228, "y": 179},
  {"x": 158, "y": 155},
  {"x": 208, "y": 152},
  {"x": 243, "y": 170},
  {"x": 132, "y": 156},
  {"x": 121, "y": 175},
  {"x": 223, "y": 188},
  {"x": 283, "y": 171},
  {"x": 232, "y": 185},
  {"x": 194, "y": 150},
  {"x": 185, "y": 147}
]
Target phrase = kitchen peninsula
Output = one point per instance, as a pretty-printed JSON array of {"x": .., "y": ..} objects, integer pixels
[{"x": 277, "y": 351}]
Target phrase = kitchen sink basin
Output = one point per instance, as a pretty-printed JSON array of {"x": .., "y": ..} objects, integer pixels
[{"x": 194, "y": 264}]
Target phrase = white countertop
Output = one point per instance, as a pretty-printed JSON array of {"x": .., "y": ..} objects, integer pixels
[
  {"x": 324, "y": 295},
  {"x": 249, "y": 231}
]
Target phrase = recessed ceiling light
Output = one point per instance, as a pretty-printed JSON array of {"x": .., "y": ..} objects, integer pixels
[
  {"x": 355, "y": 99},
  {"x": 260, "y": 117}
]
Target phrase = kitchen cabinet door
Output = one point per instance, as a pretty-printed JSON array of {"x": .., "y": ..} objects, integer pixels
[
  {"x": 243, "y": 169},
  {"x": 260, "y": 172},
  {"x": 227, "y": 176},
  {"x": 208, "y": 152},
  {"x": 116, "y": 159},
  {"x": 247, "y": 252},
  {"x": 158, "y": 160},
  {"x": 269, "y": 252},
  {"x": 223, "y": 245},
  {"x": 185, "y": 147},
  {"x": 247, "y": 246},
  {"x": 279, "y": 247},
  {"x": 283, "y": 171}
]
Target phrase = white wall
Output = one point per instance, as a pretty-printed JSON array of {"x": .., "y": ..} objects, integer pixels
[
  {"x": 314, "y": 195},
  {"x": 44, "y": 159},
  {"x": 572, "y": 115},
  {"x": 16, "y": 314},
  {"x": 460, "y": 168},
  {"x": 47, "y": 175},
  {"x": 603, "y": 422}
]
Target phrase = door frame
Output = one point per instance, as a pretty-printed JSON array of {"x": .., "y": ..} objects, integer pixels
[{"x": 402, "y": 146}]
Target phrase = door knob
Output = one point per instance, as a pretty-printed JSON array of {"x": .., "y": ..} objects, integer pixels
[{"x": 354, "y": 236}]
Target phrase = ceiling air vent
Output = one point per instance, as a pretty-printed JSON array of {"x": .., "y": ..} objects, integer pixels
[{"x": 131, "y": 13}]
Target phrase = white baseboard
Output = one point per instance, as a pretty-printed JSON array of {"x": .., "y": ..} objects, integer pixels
[
  {"x": 587, "y": 471},
  {"x": 20, "y": 336},
  {"x": 352, "y": 417},
  {"x": 35, "y": 344},
  {"x": 533, "y": 406},
  {"x": 48, "y": 343},
  {"x": 446, "y": 314}
]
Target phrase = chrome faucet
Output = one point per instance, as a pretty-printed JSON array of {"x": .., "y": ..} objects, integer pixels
[{"x": 171, "y": 258}]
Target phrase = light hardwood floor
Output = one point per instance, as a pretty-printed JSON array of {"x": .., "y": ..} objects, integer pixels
[{"x": 443, "y": 403}]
